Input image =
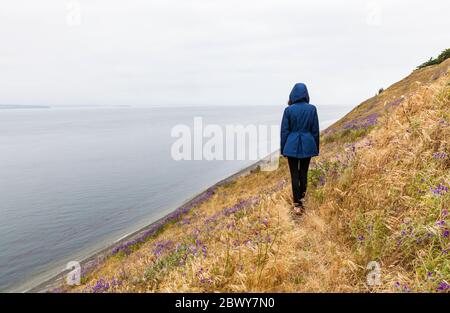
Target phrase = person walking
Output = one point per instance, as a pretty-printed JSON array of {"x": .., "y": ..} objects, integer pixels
[{"x": 300, "y": 136}]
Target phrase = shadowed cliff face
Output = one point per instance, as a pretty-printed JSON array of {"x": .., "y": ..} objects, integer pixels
[{"x": 378, "y": 195}]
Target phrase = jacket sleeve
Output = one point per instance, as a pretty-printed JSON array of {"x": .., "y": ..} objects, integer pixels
[
  {"x": 316, "y": 130},
  {"x": 284, "y": 130}
]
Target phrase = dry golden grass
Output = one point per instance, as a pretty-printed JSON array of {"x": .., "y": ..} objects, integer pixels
[{"x": 369, "y": 200}]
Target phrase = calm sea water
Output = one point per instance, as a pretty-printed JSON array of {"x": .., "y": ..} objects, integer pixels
[{"x": 73, "y": 180}]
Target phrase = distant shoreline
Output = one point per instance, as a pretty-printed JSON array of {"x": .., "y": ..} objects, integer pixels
[
  {"x": 25, "y": 106},
  {"x": 18, "y": 106}
]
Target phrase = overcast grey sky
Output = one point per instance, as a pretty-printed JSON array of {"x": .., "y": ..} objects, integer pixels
[{"x": 208, "y": 52}]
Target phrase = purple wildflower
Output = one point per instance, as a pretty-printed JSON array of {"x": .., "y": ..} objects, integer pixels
[
  {"x": 439, "y": 190},
  {"x": 239, "y": 206},
  {"x": 206, "y": 281},
  {"x": 204, "y": 251},
  {"x": 440, "y": 155},
  {"x": 362, "y": 123},
  {"x": 100, "y": 286},
  {"x": 185, "y": 221},
  {"x": 443, "y": 286},
  {"x": 394, "y": 103},
  {"x": 161, "y": 246},
  {"x": 193, "y": 249},
  {"x": 213, "y": 218},
  {"x": 440, "y": 223}
]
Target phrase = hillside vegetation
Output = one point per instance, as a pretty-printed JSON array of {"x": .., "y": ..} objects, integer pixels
[
  {"x": 378, "y": 192},
  {"x": 433, "y": 61}
]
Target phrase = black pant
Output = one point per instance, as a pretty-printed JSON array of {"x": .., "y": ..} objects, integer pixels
[{"x": 299, "y": 177}]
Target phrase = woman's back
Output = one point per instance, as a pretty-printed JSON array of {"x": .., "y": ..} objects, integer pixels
[
  {"x": 299, "y": 140},
  {"x": 300, "y": 125},
  {"x": 301, "y": 117}
]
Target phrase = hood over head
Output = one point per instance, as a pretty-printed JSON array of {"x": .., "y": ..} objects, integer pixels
[{"x": 299, "y": 94}]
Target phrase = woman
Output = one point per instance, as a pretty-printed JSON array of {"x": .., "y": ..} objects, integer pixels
[{"x": 299, "y": 140}]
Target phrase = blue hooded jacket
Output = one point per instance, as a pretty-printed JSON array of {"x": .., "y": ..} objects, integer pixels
[{"x": 300, "y": 126}]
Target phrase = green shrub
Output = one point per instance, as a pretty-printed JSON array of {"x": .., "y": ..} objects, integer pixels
[{"x": 441, "y": 58}]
